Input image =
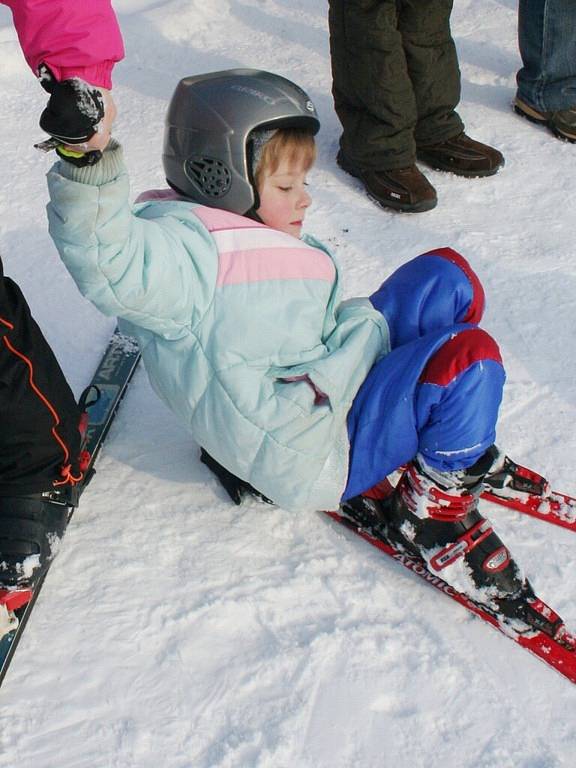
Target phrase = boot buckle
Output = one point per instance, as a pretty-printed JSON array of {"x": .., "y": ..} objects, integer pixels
[{"x": 464, "y": 544}]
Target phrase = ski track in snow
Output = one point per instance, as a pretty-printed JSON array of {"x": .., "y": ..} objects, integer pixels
[{"x": 178, "y": 630}]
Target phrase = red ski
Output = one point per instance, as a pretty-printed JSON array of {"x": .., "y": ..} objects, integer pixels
[
  {"x": 520, "y": 488},
  {"x": 558, "y": 652}
]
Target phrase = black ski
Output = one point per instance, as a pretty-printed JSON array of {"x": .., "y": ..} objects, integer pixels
[{"x": 109, "y": 384}]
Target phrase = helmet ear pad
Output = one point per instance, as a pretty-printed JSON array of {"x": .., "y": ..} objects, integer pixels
[
  {"x": 250, "y": 170},
  {"x": 209, "y": 174}
]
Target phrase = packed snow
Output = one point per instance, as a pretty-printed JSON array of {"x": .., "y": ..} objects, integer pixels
[{"x": 180, "y": 631}]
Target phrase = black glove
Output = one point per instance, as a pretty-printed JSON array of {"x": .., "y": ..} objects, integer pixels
[
  {"x": 74, "y": 108},
  {"x": 235, "y": 488}
]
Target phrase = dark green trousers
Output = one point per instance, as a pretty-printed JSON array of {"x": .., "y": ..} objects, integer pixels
[{"x": 396, "y": 80}]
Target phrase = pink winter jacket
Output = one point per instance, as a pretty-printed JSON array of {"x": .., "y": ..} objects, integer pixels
[{"x": 74, "y": 38}]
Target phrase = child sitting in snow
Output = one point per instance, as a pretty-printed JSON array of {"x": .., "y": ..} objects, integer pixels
[{"x": 310, "y": 400}]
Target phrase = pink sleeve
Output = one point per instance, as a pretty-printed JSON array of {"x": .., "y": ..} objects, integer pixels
[{"x": 75, "y": 38}]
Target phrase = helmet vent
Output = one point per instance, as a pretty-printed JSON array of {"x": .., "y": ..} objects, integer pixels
[{"x": 212, "y": 176}]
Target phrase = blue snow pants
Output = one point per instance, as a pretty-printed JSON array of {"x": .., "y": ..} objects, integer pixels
[{"x": 438, "y": 391}]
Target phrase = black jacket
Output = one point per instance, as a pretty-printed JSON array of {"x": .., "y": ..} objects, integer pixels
[{"x": 39, "y": 417}]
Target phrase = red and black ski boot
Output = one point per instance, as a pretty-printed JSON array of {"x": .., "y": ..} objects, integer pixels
[{"x": 434, "y": 516}]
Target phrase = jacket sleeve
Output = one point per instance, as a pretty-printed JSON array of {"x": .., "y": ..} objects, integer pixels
[
  {"x": 360, "y": 338},
  {"x": 74, "y": 38},
  {"x": 156, "y": 273}
]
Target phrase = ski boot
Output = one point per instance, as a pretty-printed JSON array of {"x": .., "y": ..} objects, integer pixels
[
  {"x": 30, "y": 530},
  {"x": 31, "y": 527},
  {"x": 434, "y": 516}
]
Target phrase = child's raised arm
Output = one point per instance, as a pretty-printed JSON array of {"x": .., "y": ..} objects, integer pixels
[{"x": 147, "y": 272}]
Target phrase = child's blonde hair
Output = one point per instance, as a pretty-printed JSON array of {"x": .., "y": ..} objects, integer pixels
[{"x": 294, "y": 145}]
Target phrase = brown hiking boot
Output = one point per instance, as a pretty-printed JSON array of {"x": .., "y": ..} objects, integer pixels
[
  {"x": 402, "y": 189},
  {"x": 462, "y": 156},
  {"x": 562, "y": 123}
]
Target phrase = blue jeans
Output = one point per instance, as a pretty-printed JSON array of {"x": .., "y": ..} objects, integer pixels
[{"x": 547, "y": 40}]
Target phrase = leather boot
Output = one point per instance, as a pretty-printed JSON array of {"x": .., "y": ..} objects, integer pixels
[
  {"x": 401, "y": 189},
  {"x": 562, "y": 122},
  {"x": 463, "y": 156}
]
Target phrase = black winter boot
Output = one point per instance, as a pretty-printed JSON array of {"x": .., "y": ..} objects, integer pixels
[{"x": 30, "y": 531}]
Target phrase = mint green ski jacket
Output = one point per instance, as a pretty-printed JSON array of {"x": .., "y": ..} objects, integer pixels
[{"x": 241, "y": 327}]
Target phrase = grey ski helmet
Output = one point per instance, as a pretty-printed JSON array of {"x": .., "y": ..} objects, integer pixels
[{"x": 208, "y": 125}]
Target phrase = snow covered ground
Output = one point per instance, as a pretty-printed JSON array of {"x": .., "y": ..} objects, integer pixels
[{"x": 177, "y": 630}]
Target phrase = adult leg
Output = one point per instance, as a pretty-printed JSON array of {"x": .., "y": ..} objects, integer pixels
[
  {"x": 375, "y": 102},
  {"x": 433, "y": 69},
  {"x": 372, "y": 90},
  {"x": 39, "y": 443},
  {"x": 435, "y": 75},
  {"x": 547, "y": 79}
]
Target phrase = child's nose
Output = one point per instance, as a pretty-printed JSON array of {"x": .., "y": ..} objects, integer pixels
[{"x": 305, "y": 200}]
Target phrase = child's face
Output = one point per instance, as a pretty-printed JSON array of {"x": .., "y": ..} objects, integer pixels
[{"x": 284, "y": 198}]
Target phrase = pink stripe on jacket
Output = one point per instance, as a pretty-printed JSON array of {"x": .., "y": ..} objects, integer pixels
[
  {"x": 74, "y": 38},
  {"x": 251, "y": 252}
]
